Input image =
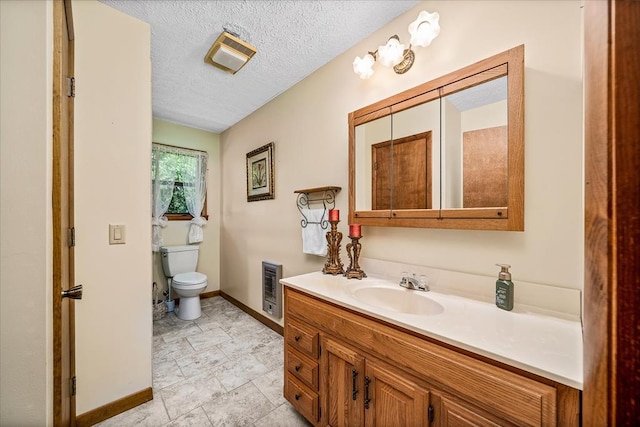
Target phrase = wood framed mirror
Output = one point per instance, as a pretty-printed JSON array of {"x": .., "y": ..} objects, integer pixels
[{"x": 446, "y": 154}]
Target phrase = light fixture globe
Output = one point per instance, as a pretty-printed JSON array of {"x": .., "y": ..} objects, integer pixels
[
  {"x": 424, "y": 29},
  {"x": 364, "y": 66},
  {"x": 392, "y": 53}
]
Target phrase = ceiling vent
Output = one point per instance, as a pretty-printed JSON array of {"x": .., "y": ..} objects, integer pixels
[{"x": 229, "y": 53}]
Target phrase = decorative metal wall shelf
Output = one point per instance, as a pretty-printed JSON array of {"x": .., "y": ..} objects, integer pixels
[{"x": 309, "y": 196}]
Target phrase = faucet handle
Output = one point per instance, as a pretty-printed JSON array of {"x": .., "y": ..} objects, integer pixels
[
  {"x": 404, "y": 280},
  {"x": 423, "y": 283}
]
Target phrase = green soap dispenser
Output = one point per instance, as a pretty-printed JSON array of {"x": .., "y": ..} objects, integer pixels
[{"x": 504, "y": 288}]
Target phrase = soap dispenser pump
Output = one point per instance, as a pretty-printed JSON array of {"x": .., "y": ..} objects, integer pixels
[{"x": 504, "y": 288}]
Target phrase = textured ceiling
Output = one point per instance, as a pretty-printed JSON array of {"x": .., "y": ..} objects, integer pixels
[{"x": 293, "y": 38}]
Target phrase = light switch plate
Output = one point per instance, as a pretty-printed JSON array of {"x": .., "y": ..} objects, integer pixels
[{"x": 117, "y": 234}]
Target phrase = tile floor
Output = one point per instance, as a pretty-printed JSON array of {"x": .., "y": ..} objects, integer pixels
[{"x": 223, "y": 369}]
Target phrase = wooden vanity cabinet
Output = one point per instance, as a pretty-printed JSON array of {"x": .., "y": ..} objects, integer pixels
[
  {"x": 361, "y": 390},
  {"x": 347, "y": 369}
]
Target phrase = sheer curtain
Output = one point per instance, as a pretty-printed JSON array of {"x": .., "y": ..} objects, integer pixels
[
  {"x": 195, "y": 190},
  {"x": 162, "y": 178}
]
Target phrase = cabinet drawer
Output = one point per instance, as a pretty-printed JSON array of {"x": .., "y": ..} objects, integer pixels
[
  {"x": 303, "y": 399},
  {"x": 302, "y": 338},
  {"x": 302, "y": 367}
]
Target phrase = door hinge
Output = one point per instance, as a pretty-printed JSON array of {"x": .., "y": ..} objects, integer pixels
[
  {"x": 430, "y": 412},
  {"x": 72, "y": 385},
  {"x": 71, "y": 237},
  {"x": 71, "y": 87},
  {"x": 375, "y": 166}
]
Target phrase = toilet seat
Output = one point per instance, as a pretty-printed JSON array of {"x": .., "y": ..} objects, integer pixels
[{"x": 192, "y": 279}]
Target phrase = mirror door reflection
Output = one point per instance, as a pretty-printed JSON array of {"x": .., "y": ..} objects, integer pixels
[
  {"x": 401, "y": 171},
  {"x": 475, "y": 149},
  {"x": 367, "y": 136},
  {"x": 415, "y": 145}
]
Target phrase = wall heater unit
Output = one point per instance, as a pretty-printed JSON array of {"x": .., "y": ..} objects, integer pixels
[{"x": 271, "y": 288}]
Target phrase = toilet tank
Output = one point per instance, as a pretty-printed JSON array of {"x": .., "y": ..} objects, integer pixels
[{"x": 179, "y": 259}]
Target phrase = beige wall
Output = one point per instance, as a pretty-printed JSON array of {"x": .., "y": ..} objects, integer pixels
[
  {"x": 309, "y": 126},
  {"x": 176, "y": 232},
  {"x": 112, "y": 186},
  {"x": 26, "y": 56}
]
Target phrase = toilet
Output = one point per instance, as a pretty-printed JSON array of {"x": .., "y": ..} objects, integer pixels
[{"x": 179, "y": 265}]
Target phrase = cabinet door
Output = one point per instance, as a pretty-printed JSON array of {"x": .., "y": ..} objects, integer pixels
[
  {"x": 392, "y": 398},
  {"x": 342, "y": 385},
  {"x": 450, "y": 412}
]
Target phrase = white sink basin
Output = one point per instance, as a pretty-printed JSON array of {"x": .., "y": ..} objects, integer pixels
[{"x": 399, "y": 300}]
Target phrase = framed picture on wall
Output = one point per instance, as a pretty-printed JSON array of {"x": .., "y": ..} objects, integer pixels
[{"x": 260, "y": 173}]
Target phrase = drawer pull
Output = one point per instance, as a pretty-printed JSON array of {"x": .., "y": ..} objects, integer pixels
[
  {"x": 297, "y": 338},
  {"x": 297, "y": 368},
  {"x": 297, "y": 396}
]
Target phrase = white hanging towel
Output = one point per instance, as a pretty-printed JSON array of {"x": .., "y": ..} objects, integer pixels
[
  {"x": 314, "y": 239},
  {"x": 195, "y": 230}
]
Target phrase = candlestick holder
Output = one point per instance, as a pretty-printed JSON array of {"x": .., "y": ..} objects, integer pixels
[
  {"x": 353, "y": 250},
  {"x": 334, "y": 237}
]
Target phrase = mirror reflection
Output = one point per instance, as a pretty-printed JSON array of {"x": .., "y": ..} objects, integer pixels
[
  {"x": 395, "y": 154},
  {"x": 416, "y": 136},
  {"x": 368, "y": 135},
  {"x": 465, "y": 132},
  {"x": 474, "y": 147}
]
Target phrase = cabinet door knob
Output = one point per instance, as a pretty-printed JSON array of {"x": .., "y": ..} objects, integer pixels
[
  {"x": 297, "y": 396},
  {"x": 297, "y": 338},
  {"x": 297, "y": 368}
]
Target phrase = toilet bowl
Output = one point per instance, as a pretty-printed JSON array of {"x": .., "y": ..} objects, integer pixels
[
  {"x": 188, "y": 286},
  {"x": 179, "y": 265}
]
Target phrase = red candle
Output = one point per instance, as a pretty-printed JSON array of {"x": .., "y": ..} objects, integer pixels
[
  {"x": 334, "y": 215},
  {"x": 354, "y": 230}
]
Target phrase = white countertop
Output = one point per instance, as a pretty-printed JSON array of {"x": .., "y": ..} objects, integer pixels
[{"x": 541, "y": 344}]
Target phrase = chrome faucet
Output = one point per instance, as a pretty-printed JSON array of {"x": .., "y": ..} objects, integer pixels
[{"x": 413, "y": 283}]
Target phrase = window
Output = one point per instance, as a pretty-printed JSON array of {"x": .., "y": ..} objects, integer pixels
[
  {"x": 178, "y": 206},
  {"x": 178, "y": 171},
  {"x": 178, "y": 209}
]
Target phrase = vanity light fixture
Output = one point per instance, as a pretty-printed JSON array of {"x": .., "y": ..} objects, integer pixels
[
  {"x": 393, "y": 53},
  {"x": 229, "y": 52}
]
